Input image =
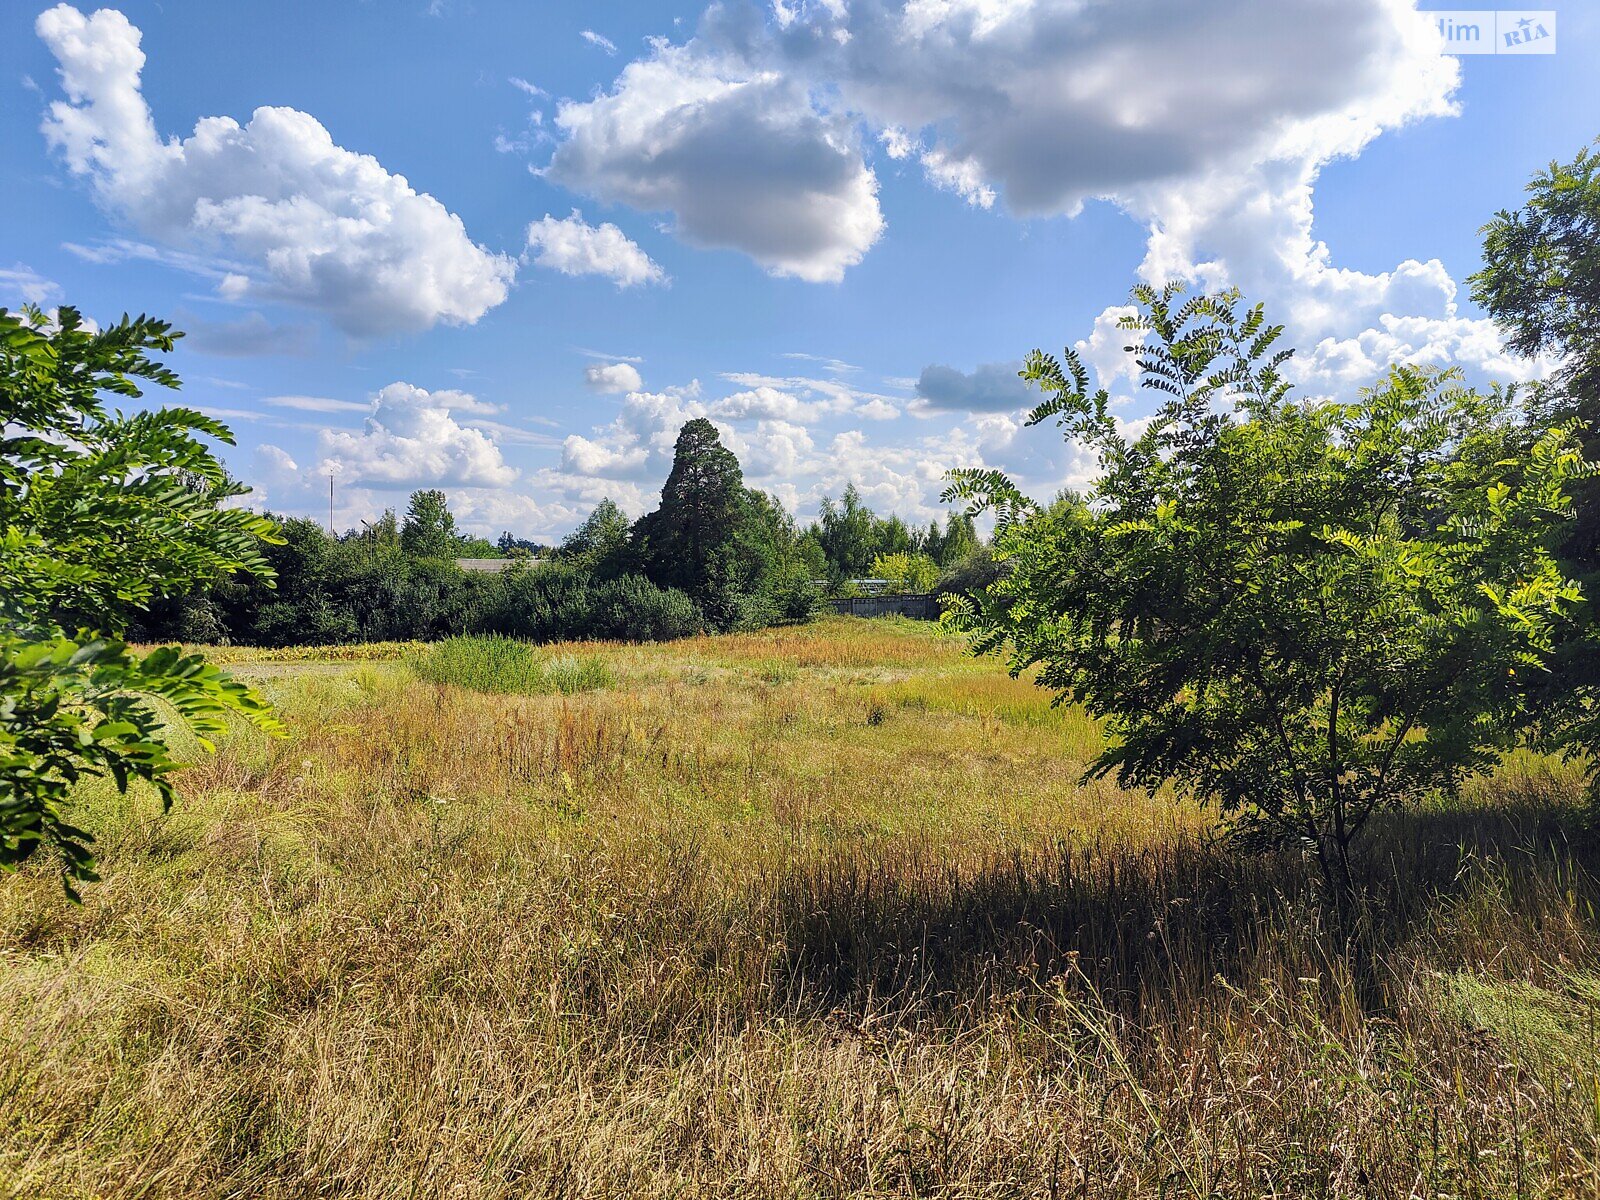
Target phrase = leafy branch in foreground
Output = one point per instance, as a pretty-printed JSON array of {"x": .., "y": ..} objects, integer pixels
[
  {"x": 100, "y": 513},
  {"x": 1303, "y": 612},
  {"x": 71, "y": 710}
]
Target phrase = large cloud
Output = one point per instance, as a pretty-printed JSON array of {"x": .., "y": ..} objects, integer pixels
[
  {"x": 1052, "y": 102},
  {"x": 1216, "y": 148},
  {"x": 992, "y": 387},
  {"x": 745, "y": 131},
  {"x": 313, "y": 223},
  {"x": 413, "y": 439},
  {"x": 738, "y": 154}
]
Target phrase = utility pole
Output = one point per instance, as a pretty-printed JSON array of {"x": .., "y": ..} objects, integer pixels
[{"x": 330, "y": 505}]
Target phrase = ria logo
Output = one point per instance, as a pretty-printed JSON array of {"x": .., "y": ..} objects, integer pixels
[
  {"x": 1491, "y": 31},
  {"x": 1528, "y": 30}
]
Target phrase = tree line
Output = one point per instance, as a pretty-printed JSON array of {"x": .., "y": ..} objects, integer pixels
[{"x": 713, "y": 556}]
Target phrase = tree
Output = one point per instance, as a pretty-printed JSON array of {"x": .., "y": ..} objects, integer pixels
[
  {"x": 430, "y": 527},
  {"x": 689, "y": 541},
  {"x": 602, "y": 544},
  {"x": 1304, "y": 612},
  {"x": 1541, "y": 284},
  {"x": 101, "y": 513},
  {"x": 906, "y": 573},
  {"x": 951, "y": 545},
  {"x": 779, "y": 567},
  {"x": 846, "y": 531}
]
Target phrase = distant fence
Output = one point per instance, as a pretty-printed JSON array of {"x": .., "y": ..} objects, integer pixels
[{"x": 920, "y": 608}]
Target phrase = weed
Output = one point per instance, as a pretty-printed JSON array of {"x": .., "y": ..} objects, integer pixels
[{"x": 508, "y": 666}]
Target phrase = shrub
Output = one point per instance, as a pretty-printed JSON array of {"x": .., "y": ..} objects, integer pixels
[
  {"x": 634, "y": 609},
  {"x": 795, "y": 596},
  {"x": 546, "y": 603}
]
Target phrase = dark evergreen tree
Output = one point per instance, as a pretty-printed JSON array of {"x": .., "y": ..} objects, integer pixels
[{"x": 690, "y": 542}]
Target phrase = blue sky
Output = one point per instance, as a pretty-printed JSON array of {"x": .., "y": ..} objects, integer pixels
[{"x": 833, "y": 226}]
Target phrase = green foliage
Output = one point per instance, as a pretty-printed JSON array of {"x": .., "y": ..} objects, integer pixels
[
  {"x": 1541, "y": 284},
  {"x": 633, "y": 609},
  {"x": 1541, "y": 273},
  {"x": 973, "y": 574},
  {"x": 848, "y": 534},
  {"x": 101, "y": 514},
  {"x": 852, "y": 537},
  {"x": 430, "y": 527},
  {"x": 602, "y": 545},
  {"x": 906, "y": 573},
  {"x": 953, "y": 544},
  {"x": 76, "y": 709},
  {"x": 505, "y": 665},
  {"x": 1305, "y": 612},
  {"x": 100, "y": 511},
  {"x": 546, "y": 602}
]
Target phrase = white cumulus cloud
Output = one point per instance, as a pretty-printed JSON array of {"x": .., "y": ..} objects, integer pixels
[
  {"x": 412, "y": 439},
  {"x": 612, "y": 378},
  {"x": 315, "y": 224},
  {"x": 27, "y": 283},
  {"x": 737, "y": 154},
  {"x": 573, "y": 247}
]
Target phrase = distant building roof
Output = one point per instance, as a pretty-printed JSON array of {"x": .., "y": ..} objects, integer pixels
[{"x": 488, "y": 566}]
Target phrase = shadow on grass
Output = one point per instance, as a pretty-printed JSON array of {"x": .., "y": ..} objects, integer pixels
[{"x": 1152, "y": 932}]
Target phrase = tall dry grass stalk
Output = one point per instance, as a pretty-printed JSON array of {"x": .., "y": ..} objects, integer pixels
[{"x": 817, "y": 912}]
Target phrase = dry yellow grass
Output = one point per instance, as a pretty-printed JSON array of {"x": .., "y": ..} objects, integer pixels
[{"x": 813, "y": 912}]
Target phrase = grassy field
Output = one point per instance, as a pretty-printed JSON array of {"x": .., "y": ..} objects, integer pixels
[{"x": 817, "y": 912}]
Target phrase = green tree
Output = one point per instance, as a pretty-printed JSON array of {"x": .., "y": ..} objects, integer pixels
[
  {"x": 1305, "y": 612},
  {"x": 101, "y": 513},
  {"x": 953, "y": 544},
  {"x": 430, "y": 527},
  {"x": 780, "y": 566},
  {"x": 602, "y": 544},
  {"x": 846, "y": 531},
  {"x": 906, "y": 573},
  {"x": 1541, "y": 283},
  {"x": 689, "y": 542}
]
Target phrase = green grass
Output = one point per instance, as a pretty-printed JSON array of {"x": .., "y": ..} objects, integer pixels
[
  {"x": 505, "y": 666},
  {"x": 1554, "y": 1026}
]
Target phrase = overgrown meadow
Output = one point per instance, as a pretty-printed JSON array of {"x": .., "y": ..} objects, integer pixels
[{"x": 818, "y": 911}]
